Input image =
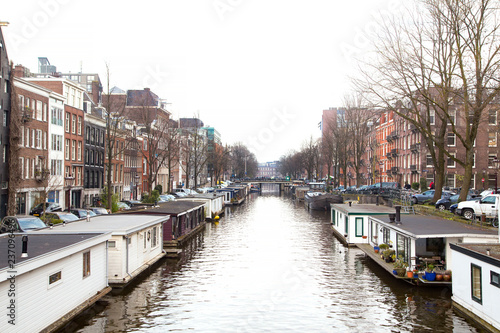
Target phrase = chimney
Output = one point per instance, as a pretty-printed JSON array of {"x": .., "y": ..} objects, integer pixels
[
  {"x": 398, "y": 214},
  {"x": 25, "y": 247},
  {"x": 392, "y": 218},
  {"x": 350, "y": 203}
]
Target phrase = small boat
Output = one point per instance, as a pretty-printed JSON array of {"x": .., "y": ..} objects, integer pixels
[
  {"x": 254, "y": 188},
  {"x": 321, "y": 200}
]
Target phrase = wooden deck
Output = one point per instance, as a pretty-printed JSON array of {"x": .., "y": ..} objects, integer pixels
[{"x": 389, "y": 267}]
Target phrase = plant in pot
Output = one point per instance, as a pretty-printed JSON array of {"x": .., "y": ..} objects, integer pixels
[
  {"x": 430, "y": 274},
  {"x": 447, "y": 275},
  {"x": 388, "y": 255},
  {"x": 376, "y": 249},
  {"x": 400, "y": 266}
]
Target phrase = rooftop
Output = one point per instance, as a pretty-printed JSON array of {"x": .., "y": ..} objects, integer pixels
[
  {"x": 364, "y": 209},
  {"x": 41, "y": 244},
  {"x": 494, "y": 249},
  {"x": 177, "y": 207},
  {"x": 118, "y": 224},
  {"x": 423, "y": 226}
]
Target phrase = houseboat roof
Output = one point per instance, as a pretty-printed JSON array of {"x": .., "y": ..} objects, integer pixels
[
  {"x": 205, "y": 196},
  {"x": 485, "y": 252},
  {"x": 118, "y": 224},
  {"x": 363, "y": 209},
  {"x": 177, "y": 207},
  {"x": 423, "y": 226},
  {"x": 43, "y": 245}
]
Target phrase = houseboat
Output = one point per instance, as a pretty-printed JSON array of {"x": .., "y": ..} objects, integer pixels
[
  {"x": 321, "y": 200},
  {"x": 51, "y": 278},
  {"x": 184, "y": 220},
  {"x": 350, "y": 221},
  {"x": 135, "y": 243},
  {"x": 476, "y": 283},
  {"x": 214, "y": 203},
  {"x": 423, "y": 242}
]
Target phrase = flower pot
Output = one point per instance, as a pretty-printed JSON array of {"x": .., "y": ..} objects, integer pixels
[
  {"x": 395, "y": 272},
  {"x": 447, "y": 277},
  {"x": 401, "y": 272},
  {"x": 409, "y": 274},
  {"x": 388, "y": 260},
  {"x": 376, "y": 250},
  {"x": 439, "y": 277},
  {"x": 430, "y": 276}
]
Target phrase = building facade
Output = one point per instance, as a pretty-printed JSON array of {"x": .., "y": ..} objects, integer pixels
[{"x": 4, "y": 132}]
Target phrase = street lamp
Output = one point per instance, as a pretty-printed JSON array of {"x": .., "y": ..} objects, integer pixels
[
  {"x": 381, "y": 167},
  {"x": 69, "y": 183}
]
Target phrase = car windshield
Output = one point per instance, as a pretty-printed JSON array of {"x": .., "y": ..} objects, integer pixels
[
  {"x": 454, "y": 198},
  {"x": 31, "y": 223},
  {"x": 68, "y": 217}
]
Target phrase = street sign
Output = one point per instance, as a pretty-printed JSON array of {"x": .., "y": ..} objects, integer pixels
[{"x": 482, "y": 179}]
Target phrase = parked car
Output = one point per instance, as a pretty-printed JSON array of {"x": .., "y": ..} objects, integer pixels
[
  {"x": 167, "y": 197},
  {"x": 384, "y": 187},
  {"x": 123, "y": 206},
  {"x": 81, "y": 213},
  {"x": 487, "y": 205},
  {"x": 21, "y": 223},
  {"x": 132, "y": 203},
  {"x": 362, "y": 188},
  {"x": 179, "y": 194},
  {"x": 99, "y": 210},
  {"x": 182, "y": 190},
  {"x": 349, "y": 189},
  {"x": 64, "y": 216},
  {"x": 428, "y": 195},
  {"x": 49, "y": 207},
  {"x": 445, "y": 203},
  {"x": 453, "y": 208}
]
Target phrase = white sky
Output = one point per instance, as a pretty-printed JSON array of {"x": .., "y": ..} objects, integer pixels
[{"x": 259, "y": 71}]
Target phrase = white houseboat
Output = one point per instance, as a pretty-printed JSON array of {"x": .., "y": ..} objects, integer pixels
[
  {"x": 476, "y": 283},
  {"x": 422, "y": 240},
  {"x": 135, "y": 243},
  {"x": 59, "y": 276},
  {"x": 214, "y": 203},
  {"x": 350, "y": 221}
]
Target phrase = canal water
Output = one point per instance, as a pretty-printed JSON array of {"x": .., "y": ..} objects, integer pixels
[{"x": 272, "y": 266}]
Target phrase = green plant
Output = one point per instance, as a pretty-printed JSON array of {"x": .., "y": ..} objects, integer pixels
[
  {"x": 415, "y": 186},
  {"x": 423, "y": 184},
  {"x": 154, "y": 197},
  {"x": 389, "y": 253},
  {"x": 159, "y": 188},
  {"x": 383, "y": 246},
  {"x": 400, "y": 263},
  {"x": 430, "y": 268}
]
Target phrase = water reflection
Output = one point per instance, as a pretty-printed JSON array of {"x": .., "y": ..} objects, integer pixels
[{"x": 270, "y": 265}]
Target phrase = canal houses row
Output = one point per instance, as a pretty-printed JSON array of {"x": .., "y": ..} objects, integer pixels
[{"x": 51, "y": 278}]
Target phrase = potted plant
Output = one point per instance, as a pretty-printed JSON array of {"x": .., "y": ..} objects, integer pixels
[
  {"x": 430, "y": 274},
  {"x": 376, "y": 249},
  {"x": 383, "y": 247},
  {"x": 400, "y": 266},
  {"x": 388, "y": 255},
  {"x": 447, "y": 275}
]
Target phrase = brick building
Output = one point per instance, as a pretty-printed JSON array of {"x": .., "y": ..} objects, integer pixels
[{"x": 4, "y": 132}]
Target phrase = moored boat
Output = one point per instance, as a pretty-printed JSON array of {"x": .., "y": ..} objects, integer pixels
[{"x": 321, "y": 200}]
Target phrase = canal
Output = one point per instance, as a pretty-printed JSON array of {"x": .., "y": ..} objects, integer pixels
[{"x": 272, "y": 266}]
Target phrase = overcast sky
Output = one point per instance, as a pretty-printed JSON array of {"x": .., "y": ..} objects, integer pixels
[{"x": 259, "y": 71}]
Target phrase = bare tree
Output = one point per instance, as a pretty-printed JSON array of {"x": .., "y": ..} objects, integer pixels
[
  {"x": 244, "y": 162},
  {"x": 310, "y": 153}
]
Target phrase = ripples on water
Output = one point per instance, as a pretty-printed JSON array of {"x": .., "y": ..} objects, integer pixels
[{"x": 270, "y": 265}]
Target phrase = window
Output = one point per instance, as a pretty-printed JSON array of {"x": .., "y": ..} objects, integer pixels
[
  {"x": 450, "y": 180},
  {"x": 56, "y": 116},
  {"x": 111, "y": 244},
  {"x": 86, "y": 264},
  {"x": 66, "y": 151},
  {"x": 154, "y": 240},
  {"x": 450, "y": 162},
  {"x": 471, "y": 116},
  {"x": 55, "y": 277},
  {"x": 73, "y": 124},
  {"x": 451, "y": 139},
  {"x": 492, "y": 117},
  {"x": 491, "y": 160},
  {"x": 39, "y": 139},
  {"x": 66, "y": 125},
  {"x": 79, "y": 150},
  {"x": 495, "y": 279},
  {"x": 73, "y": 150},
  {"x": 432, "y": 117},
  {"x": 451, "y": 119},
  {"x": 359, "y": 226},
  {"x": 476, "y": 284},
  {"x": 346, "y": 224},
  {"x": 33, "y": 138},
  {"x": 492, "y": 139},
  {"x": 39, "y": 111},
  {"x": 429, "y": 160},
  {"x": 79, "y": 125}
]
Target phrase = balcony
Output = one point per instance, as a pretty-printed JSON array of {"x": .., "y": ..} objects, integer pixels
[
  {"x": 393, "y": 136},
  {"x": 394, "y": 170},
  {"x": 42, "y": 174},
  {"x": 413, "y": 168},
  {"x": 414, "y": 128},
  {"x": 415, "y": 148},
  {"x": 389, "y": 156},
  {"x": 394, "y": 153}
]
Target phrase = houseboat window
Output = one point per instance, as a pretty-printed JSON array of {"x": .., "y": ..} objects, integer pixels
[
  {"x": 373, "y": 232},
  {"x": 86, "y": 264},
  {"x": 386, "y": 235},
  {"x": 476, "y": 285},
  {"x": 111, "y": 243},
  {"x": 495, "y": 279},
  {"x": 403, "y": 247},
  {"x": 359, "y": 226},
  {"x": 154, "y": 241},
  {"x": 129, "y": 241},
  {"x": 346, "y": 224},
  {"x": 333, "y": 216},
  {"x": 55, "y": 277},
  {"x": 145, "y": 239}
]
